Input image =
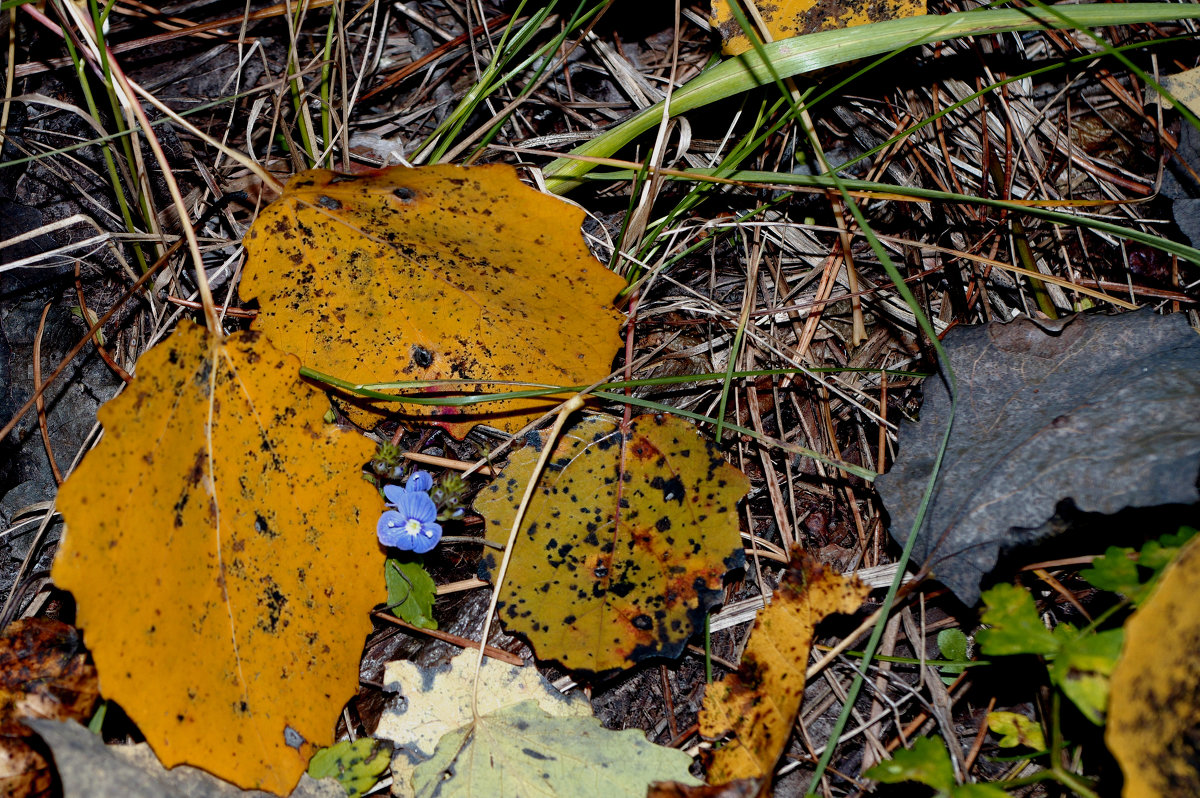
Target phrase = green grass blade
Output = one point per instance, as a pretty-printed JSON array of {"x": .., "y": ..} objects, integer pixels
[
  {"x": 829, "y": 48},
  {"x": 825, "y": 181}
]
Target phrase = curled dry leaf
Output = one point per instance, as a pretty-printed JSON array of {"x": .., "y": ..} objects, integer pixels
[
  {"x": 1154, "y": 710},
  {"x": 434, "y": 273},
  {"x": 624, "y": 546},
  {"x": 220, "y": 545},
  {"x": 44, "y": 673},
  {"x": 757, "y": 705}
]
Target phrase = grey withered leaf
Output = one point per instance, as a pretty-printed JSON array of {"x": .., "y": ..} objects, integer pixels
[{"x": 1102, "y": 410}]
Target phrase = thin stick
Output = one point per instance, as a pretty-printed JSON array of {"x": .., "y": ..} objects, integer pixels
[
  {"x": 446, "y": 637},
  {"x": 447, "y": 462},
  {"x": 568, "y": 407},
  {"x": 41, "y": 402}
]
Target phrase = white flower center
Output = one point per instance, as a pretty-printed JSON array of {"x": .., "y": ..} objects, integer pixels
[{"x": 412, "y": 526}]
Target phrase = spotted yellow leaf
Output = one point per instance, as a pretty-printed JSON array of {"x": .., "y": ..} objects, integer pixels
[
  {"x": 624, "y": 547},
  {"x": 434, "y": 273},
  {"x": 220, "y": 546}
]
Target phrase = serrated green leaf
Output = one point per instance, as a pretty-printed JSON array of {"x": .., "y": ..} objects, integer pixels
[
  {"x": 1115, "y": 571},
  {"x": 927, "y": 762},
  {"x": 1134, "y": 575},
  {"x": 1158, "y": 554},
  {"x": 1015, "y": 627},
  {"x": 1082, "y": 670},
  {"x": 523, "y": 751},
  {"x": 356, "y": 765},
  {"x": 411, "y": 592},
  {"x": 1016, "y": 729}
]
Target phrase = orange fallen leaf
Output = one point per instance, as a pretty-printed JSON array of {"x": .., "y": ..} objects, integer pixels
[
  {"x": 624, "y": 547},
  {"x": 759, "y": 703},
  {"x": 1154, "y": 705},
  {"x": 220, "y": 546},
  {"x": 434, "y": 273},
  {"x": 787, "y": 18}
]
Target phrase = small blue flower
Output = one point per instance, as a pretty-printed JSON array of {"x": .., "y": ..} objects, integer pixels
[
  {"x": 419, "y": 481},
  {"x": 412, "y": 525}
]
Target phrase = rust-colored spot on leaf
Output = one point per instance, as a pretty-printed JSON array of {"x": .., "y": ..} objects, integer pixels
[
  {"x": 235, "y": 573},
  {"x": 1154, "y": 709},
  {"x": 787, "y": 18},
  {"x": 612, "y": 567},
  {"x": 435, "y": 273},
  {"x": 758, "y": 704}
]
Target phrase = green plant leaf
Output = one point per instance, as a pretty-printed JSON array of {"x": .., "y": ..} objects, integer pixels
[
  {"x": 816, "y": 51},
  {"x": 927, "y": 761},
  {"x": 411, "y": 592},
  {"x": 523, "y": 751},
  {"x": 1134, "y": 574},
  {"x": 1016, "y": 729},
  {"x": 1015, "y": 627},
  {"x": 952, "y": 644},
  {"x": 1116, "y": 571},
  {"x": 1082, "y": 669},
  {"x": 356, "y": 765}
]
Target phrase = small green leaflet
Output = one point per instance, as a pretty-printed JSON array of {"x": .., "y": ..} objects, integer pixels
[
  {"x": 1015, "y": 729},
  {"x": 1014, "y": 625},
  {"x": 411, "y": 592},
  {"x": 356, "y": 765},
  {"x": 928, "y": 762},
  {"x": 1080, "y": 662},
  {"x": 1133, "y": 573},
  {"x": 1083, "y": 666},
  {"x": 952, "y": 644}
]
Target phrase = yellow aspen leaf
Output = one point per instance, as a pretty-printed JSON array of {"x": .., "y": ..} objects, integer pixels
[
  {"x": 758, "y": 704},
  {"x": 220, "y": 546},
  {"x": 433, "y": 273},
  {"x": 1154, "y": 709},
  {"x": 625, "y": 544},
  {"x": 787, "y": 18}
]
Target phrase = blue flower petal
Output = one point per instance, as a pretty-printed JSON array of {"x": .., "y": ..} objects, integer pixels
[
  {"x": 428, "y": 538},
  {"x": 393, "y": 493},
  {"x": 391, "y": 530},
  {"x": 411, "y": 526},
  {"x": 418, "y": 506},
  {"x": 420, "y": 481}
]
